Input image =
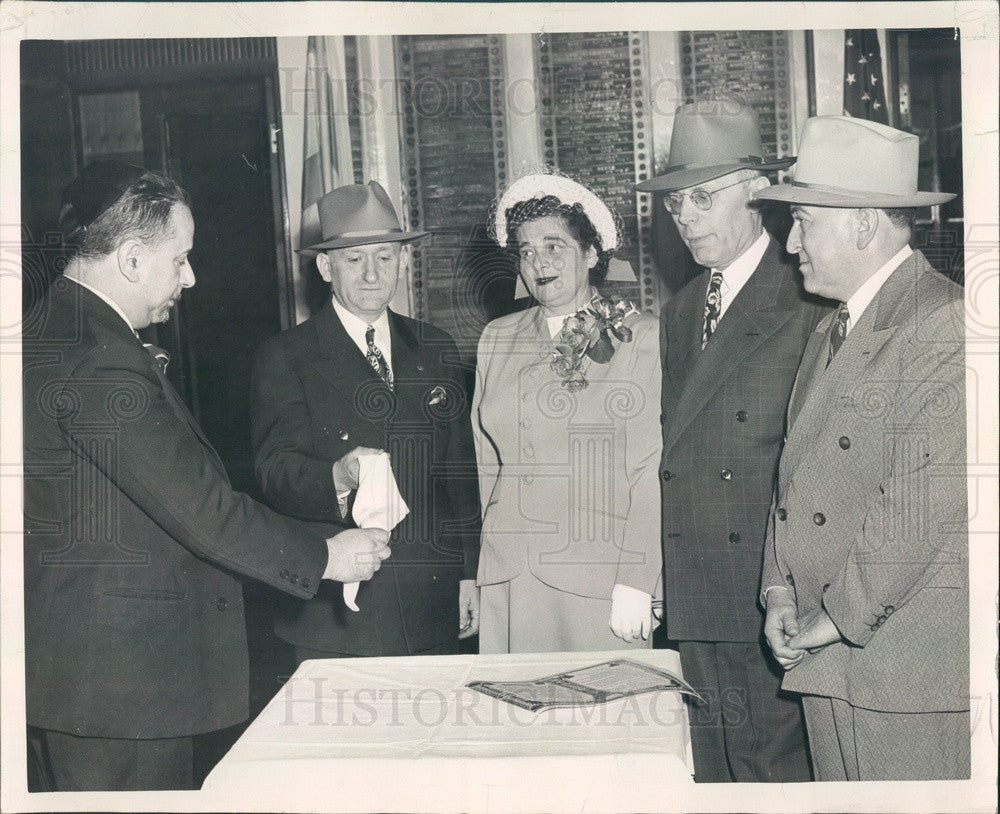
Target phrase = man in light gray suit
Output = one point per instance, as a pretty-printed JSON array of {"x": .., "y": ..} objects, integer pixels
[{"x": 865, "y": 577}]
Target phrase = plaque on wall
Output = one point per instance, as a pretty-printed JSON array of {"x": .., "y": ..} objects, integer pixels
[
  {"x": 454, "y": 159},
  {"x": 595, "y": 128}
]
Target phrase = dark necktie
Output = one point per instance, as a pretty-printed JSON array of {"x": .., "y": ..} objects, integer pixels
[
  {"x": 376, "y": 359},
  {"x": 713, "y": 307},
  {"x": 839, "y": 332},
  {"x": 159, "y": 354}
]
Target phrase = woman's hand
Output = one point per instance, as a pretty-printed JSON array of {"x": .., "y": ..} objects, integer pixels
[{"x": 631, "y": 613}]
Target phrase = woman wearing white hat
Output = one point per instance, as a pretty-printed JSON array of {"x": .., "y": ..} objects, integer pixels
[{"x": 566, "y": 419}]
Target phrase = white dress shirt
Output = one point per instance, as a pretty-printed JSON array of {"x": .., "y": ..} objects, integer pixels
[
  {"x": 736, "y": 274},
  {"x": 357, "y": 328},
  {"x": 862, "y": 298}
]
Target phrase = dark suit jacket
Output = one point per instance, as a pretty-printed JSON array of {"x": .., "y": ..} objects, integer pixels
[
  {"x": 723, "y": 424},
  {"x": 315, "y": 398},
  {"x": 133, "y": 539},
  {"x": 872, "y": 501}
]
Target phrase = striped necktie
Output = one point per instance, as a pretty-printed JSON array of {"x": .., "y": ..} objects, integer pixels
[
  {"x": 839, "y": 332},
  {"x": 376, "y": 359}
]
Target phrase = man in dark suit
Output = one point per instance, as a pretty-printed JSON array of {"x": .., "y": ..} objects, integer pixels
[
  {"x": 133, "y": 538},
  {"x": 358, "y": 378},
  {"x": 865, "y": 577},
  {"x": 731, "y": 341}
]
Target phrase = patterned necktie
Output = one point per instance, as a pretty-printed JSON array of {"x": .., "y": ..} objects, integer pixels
[
  {"x": 713, "y": 307},
  {"x": 376, "y": 359},
  {"x": 839, "y": 332},
  {"x": 159, "y": 354}
]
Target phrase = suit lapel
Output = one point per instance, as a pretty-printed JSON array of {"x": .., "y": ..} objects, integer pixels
[
  {"x": 338, "y": 360},
  {"x": 821, "y": 390},
  {"x": 748, "y": 323}
]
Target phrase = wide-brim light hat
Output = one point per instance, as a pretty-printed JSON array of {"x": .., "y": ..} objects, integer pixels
[
  {"x": 855, "y": 163},
  {"x": 355, "y": 215},
  {"x": 712, "y": 138}
]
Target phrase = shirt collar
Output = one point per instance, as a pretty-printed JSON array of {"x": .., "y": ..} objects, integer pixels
[
  {"x": 356, "y": 328},
  {"x": 111, "y": 303},
  {"x": 861, "y": 299}
]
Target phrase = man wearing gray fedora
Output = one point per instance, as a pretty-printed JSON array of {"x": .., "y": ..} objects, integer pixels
[
  {"x": 865, "y": 577},
  {"x": 731, "y": 341},
  {"x": 358, "y": 378}
]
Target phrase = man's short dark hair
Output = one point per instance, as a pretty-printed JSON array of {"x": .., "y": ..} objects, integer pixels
[
  {"x": 141, "y": 212},
  {"x": 903, "y": 217}
]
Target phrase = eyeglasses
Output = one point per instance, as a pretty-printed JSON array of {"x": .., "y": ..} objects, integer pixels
[{"x": 700, "y": 198}]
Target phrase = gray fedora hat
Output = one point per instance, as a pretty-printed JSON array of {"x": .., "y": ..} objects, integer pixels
[
  {"x": 356, "y": 215},
  {"x": 853, "y": 164},
  {"x": 711, "y": 139}
]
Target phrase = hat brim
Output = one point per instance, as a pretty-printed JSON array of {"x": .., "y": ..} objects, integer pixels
[
  {"x": 692, "y": 176},
  {"x": 849, "y": 199},
  {"x": 362, "y": 240}
]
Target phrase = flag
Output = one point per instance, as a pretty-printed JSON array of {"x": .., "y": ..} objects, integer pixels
[
  {"x": 864, "y": 76},
  {"x": 326, "y": 144}
]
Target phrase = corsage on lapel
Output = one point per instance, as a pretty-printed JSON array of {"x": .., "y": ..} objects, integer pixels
[
  {"x": 585, "y": 333},
  {"x": 437, "y": 396}
]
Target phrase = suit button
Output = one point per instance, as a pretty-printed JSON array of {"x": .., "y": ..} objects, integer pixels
[
  {"x": 889, "y": 609},
  {"x": 221, "y": 603},
  {"x": 873, "y": 628},
  {"x": 881, "y": 618},
  {"x": 741, "y": 416},
  {"x": 284, "y": 573},
  {"x": 819, "y": 518},
  {"x": 666, "y": 475},
  {"x": 782, "y": 514},
  {"x": 734, "y": 537},
  {"x": 845, "y": 442},
  {"x": 725, "y": 474},
  {"x": 344, "y": 435},
  {"x": 294, "y": 578}
]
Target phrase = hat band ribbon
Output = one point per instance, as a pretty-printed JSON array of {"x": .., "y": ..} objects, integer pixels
[
  {"x": 342, "y": 235},
  {"x": 846, "y": 191},
  {"x": 750, "y": 159}
]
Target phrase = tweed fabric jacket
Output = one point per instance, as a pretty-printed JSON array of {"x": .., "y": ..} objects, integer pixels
[
  {"x": 133, "y": 539},
  {"x": 871, "y": 507},
  {"x": 315, "y": 398},
  {"x": 568, "y": 481},
  {"x": 723, "y": 425}
]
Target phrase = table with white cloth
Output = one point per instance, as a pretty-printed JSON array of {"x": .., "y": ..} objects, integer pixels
[{"x": 406, "y": 734}]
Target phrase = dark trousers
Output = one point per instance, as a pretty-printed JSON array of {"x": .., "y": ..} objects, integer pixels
[
  {"x": 747, "y": 730},
  {"x": 58, "y": 761}
]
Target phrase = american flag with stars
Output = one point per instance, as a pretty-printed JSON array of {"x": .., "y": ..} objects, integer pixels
[{"x": 864, "y": 77}]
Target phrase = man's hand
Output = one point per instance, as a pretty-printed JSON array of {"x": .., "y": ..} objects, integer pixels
[
  {"x": 345, "y": 471},
  {"x": 631, "y": 613},
  {"x": 781, "y": 625},
  {"x": 468, "y": 608},
  {"x": 816, "y": 632},
  {"x": 356, "y": 554}
]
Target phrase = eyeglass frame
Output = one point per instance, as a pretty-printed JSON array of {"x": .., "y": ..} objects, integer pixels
[{"x": 690, "y": 195}]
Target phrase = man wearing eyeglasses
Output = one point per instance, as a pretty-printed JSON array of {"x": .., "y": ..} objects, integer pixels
[{"x": 731, "y": 341}]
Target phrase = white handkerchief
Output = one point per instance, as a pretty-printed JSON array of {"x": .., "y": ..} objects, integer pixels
[{"x": 377, "y": 505}]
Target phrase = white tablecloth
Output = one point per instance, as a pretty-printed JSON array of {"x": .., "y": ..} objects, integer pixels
[{"x": 405, "y": 734}]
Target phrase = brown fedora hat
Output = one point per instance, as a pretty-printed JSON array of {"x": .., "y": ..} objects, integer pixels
[
  {"x": 711, "y": 139},
  {"x": 853, "y": 164},
  {"x": 357, "y": 215}
]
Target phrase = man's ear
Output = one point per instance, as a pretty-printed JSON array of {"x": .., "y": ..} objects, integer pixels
[
  {"x": 404, "y": 260},
  {"x": 128, "y": 254},
  {"x": 757, "y": 184},
  {"x": 323, "y": 264},
  {"x": 866, "y": 223}
]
